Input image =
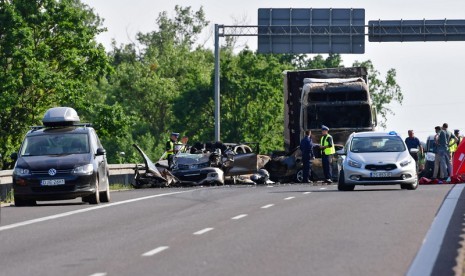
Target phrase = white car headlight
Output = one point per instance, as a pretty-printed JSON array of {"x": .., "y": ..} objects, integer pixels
[
  {"x": 405, "y": 162},
  {"x": 21, "y": 172},
  {"x": 83, "y": 170},
  {"x": 353, "y": 163}
]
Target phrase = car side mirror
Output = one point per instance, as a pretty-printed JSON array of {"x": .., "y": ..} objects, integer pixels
[
  {"x": 14, "y": 156},
  {"x": 101, "y": 151},
  {"x": 341, "y": 152},
  {"x": 414, "y": 150}
]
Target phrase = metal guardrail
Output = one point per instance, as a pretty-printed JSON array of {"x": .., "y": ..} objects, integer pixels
[{"x": 119, "y": 174}]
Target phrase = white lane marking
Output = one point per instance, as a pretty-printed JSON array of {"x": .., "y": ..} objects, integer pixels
[
  {"x": 267, "y": 206},
  {"x": 239, "y": 216},
  {"x": 306, "y": 193},
  {"x": 32, "y": 221},
  {"x": 203, "y": 231},
  {"x": 99, "y": 274},
  {"x": 288, "y": 198},
  {"x": 426, "y": 257},
  {"x": 155, "y": 251}
]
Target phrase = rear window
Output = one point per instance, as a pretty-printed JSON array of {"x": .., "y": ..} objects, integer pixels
[
  {"x": 55, "y": 144},
  {"x": 377, "y": 144}
]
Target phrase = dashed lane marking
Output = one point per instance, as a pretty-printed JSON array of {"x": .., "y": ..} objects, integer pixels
[
  {"x": 37, "y": 220},
  {"x": 239, "y": 216},
  {"x": 289, "y": 198},
  {"x": 267, "y": 206},
  {"x": 99, "y": 274},
  {"x": 154, "y": 251},
  {"x": 203, "y": 231},
  {"x": 306, "y": 193}
]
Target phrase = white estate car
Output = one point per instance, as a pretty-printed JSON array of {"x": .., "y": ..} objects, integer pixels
[{"x": 376, "y": 158}]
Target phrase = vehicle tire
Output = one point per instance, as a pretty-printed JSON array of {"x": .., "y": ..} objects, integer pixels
[
  {"x": 413, "y": 186},
  {"x": 94, "y": 198},
  {"x": 341, "y": 185},
  {"x": 299, "y": 176},
  {"x": 105, "y": 196},
  {"x": 19, "y": 202}
]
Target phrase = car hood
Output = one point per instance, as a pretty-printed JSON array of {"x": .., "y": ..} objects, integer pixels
[
  {"x": 62, "y": 162},
  {"x": 379, "y": 157}
]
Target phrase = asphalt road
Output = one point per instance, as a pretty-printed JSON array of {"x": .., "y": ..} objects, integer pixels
[{"x": 230, "y": 230}]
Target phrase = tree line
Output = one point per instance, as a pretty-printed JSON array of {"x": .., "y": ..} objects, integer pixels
[{"x": 142, "y": 91}]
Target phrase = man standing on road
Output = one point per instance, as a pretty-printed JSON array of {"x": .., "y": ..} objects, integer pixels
[
  {"x": 170, "y": 147},
  {"x": 413, "y": 143},
  {"x": 306, "y": 147},
  {"x": 327, "y": 151},
  {"x": 443, "y": 149},
  {"x": 437, "y": 158}
]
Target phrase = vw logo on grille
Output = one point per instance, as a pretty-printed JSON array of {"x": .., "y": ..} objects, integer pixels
[{"x": 52, "y": 171}]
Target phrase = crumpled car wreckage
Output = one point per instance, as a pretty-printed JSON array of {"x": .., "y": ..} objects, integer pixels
[
  {"x": 286, "y": 167},
  {"x": 206, "y": 164}
]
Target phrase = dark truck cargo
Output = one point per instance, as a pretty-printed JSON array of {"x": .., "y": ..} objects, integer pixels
[{"x": 337, "y": 97}]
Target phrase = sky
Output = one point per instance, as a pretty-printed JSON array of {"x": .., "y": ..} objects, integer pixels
[{"x": 430, "y": 74}]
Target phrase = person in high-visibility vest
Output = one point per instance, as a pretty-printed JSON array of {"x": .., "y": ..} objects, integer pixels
[
  {"x": 327, "y": 151},
  {"x": 455, "y": 143},
  {"x": 170, "y": 147}
]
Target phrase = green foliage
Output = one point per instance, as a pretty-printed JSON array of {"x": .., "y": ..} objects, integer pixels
[
  {"x": 252, "y": 104},
  {"x": 141, "y": 92},
  {"x": 382, "y": 92},
  {"x": 48, "y": 57}
]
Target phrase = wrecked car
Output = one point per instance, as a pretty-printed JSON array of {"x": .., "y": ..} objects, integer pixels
[
  {"x": 286, "y": 167},
  {"x": 149, "y": 175},
  {"x": 198, "y": 168}
]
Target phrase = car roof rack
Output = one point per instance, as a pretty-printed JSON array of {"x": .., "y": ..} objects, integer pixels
[{"x": 34, "y": 128}]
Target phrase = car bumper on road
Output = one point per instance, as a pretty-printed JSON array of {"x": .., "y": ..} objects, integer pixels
[
  {"x": 354, "y": 176},
  {"x": 73, "y": 187}
]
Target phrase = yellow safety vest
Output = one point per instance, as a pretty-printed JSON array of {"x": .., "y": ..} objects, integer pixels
[
  {"x": 171, "y": 150},
  {"x": 324, "y": 142},
  {"x": 454, "y": 147}
]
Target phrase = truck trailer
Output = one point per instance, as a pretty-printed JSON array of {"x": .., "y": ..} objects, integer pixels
[{"x": 335, "y": 97}]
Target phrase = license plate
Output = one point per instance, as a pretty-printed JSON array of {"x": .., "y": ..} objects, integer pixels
[
  {"x": 52, "y": 182},
  {"x": 380, "y": 174}
]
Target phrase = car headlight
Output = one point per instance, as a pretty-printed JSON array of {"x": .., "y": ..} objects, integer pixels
[
  {"x": 405, "y": 162},
  {"x": 83, "y": 170},
  {"x": 353, "y": 163},
  {"x": 430, "y": 156},
  {"x": 21, "y": 172}
]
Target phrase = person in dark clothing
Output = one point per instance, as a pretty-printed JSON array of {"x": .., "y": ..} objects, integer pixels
[
  {"x": 413, "y": 142},
  {"x": 306, "y": 147}
]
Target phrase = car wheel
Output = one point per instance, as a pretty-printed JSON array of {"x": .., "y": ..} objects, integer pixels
[
  {"x": 413, "y": 186},
  {"x": 299, "y": 176},
  {"x": 105, "y": 196},
  {"x": 94, "y": 198},
  {"x": 341, "y": 185},
  {"x": 19, "y": 202}
]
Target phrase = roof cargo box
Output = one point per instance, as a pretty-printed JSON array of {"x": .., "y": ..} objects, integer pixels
[{"x": 60, "y": 116}]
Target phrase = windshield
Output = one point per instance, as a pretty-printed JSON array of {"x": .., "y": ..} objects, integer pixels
[
  {"x": 377, "y": 144},
  {"x": 55, "y": 144}
]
